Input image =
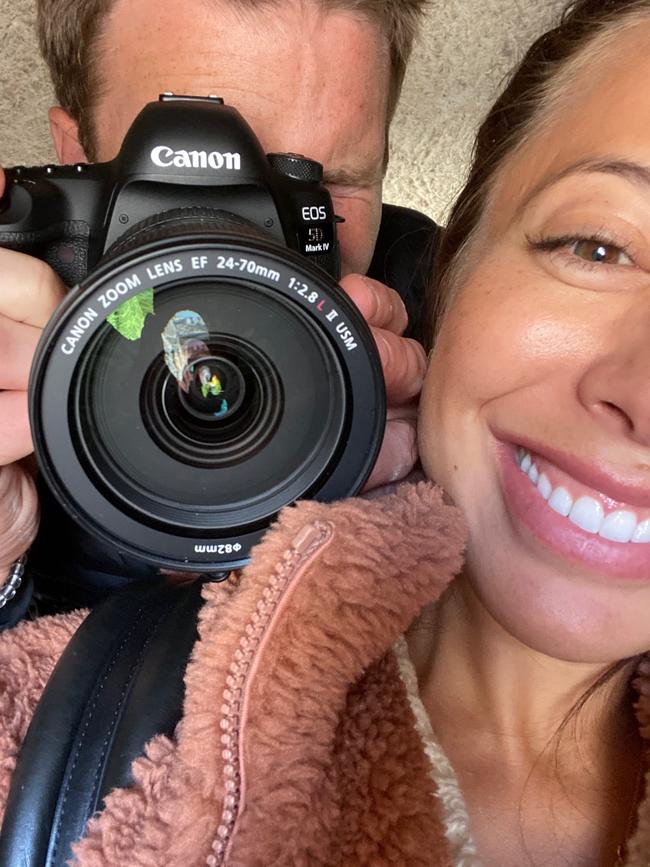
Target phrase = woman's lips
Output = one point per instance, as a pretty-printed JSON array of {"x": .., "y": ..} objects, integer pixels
[
  {"x": 581, "y": 523},
  {"x": 609, "y": 483}
]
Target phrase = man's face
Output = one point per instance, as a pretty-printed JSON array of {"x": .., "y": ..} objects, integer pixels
[{"x": 307, "y": 81}]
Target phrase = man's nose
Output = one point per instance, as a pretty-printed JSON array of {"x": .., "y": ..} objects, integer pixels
[{"x": 616, "y": 386}]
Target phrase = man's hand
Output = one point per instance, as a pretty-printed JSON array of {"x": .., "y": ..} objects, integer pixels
[
  {"x": 18, "y": 515},
  {"x": 404, "y": 363},
  {"x": 29, "y": 293}
]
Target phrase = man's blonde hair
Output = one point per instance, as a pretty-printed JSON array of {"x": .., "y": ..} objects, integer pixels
[{"x": 69, "y": 32}]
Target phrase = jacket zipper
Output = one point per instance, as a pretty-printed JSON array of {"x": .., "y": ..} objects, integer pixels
[{"x": 304, "y": 546}]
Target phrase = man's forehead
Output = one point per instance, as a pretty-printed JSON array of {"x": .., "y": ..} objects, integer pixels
[
  {"x": 314, "y": 82},
  {"x": 205, "y": 30}
]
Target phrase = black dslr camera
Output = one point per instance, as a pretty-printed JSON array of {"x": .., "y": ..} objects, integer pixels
[{"x": 208, "y": 370}]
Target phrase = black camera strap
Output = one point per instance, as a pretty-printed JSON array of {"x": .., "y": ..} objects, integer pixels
[{"x": 118, "y": 684}]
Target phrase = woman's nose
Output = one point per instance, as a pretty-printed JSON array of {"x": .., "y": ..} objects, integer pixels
[{"x": 616, "y": 386}]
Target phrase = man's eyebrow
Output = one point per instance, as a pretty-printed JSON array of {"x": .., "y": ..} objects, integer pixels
[
  {"x": 631, "y": 171},
  {"x": 353, "y": 177}
]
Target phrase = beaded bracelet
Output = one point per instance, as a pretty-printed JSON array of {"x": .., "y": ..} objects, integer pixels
[{"x": 13, "y": 582}]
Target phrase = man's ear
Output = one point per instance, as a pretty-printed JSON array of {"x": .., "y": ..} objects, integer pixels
[{"x": 65, "y": 135}]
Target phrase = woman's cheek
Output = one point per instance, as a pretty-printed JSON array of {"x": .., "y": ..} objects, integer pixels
[
  {"x": 507, "y": 330},
  {"x": 484, "y": 350},
  {"x": 474, "y": 342}
]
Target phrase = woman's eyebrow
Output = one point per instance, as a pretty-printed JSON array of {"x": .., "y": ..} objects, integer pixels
[{"x": 636, "y": 173}]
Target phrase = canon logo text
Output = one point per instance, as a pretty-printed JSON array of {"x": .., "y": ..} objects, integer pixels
[{"x": 165, "y": 157}]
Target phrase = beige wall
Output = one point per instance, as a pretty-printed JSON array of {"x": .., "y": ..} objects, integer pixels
[{"x": 466, "y": 48}]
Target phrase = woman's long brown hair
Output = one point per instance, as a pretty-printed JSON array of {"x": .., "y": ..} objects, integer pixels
[{"x": 507, "y": 125}]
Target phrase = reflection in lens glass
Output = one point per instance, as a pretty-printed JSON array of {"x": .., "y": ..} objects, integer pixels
[
  {"x": 152, "y": 426},
  {"x": 214, "y": 387},
  {"x": 211, "y": 386},
  {"x": 184, "y": 339}
]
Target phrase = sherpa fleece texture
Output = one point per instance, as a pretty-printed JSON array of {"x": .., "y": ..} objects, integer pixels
[{"x": 298, "y": 745}]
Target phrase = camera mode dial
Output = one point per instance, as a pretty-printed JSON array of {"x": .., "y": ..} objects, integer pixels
[{"x": 298, "y": 167}]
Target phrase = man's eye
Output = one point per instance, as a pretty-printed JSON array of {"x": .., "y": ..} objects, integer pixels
[{"x": 593, "y": 250}]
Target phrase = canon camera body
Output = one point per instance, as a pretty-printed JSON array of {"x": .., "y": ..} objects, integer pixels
[{"x": 207, "y": 370}]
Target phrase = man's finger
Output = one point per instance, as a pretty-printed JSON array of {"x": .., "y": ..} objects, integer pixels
[
  {"x": 15, "y": 433},
  {"x": 29, "y": 289},
  {"x": 380, "y": 305},
  {"x": 18, "y": 514},
  {"x": 398, "y": 454},
  {"x": 17, "y": 345},
  {"x": 404, "y": 363}
]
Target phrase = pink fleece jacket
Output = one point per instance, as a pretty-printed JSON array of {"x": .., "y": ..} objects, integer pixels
[{"x": 298, "y": 744}]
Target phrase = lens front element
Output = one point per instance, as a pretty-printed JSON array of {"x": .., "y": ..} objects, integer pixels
[
  {"x": 235, "y": 395},
  {"x": 215, "y": 389},
  {"x": 225, "y": 405}
]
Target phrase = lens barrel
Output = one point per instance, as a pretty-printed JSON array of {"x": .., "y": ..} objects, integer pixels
[{"x": 195, "y": 384}]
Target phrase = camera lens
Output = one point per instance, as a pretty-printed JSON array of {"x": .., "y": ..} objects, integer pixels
[
  {"x": 177, "y": 413},
  {"x": 215, "y": 390},
  {"x": 221, "y": 407},
  {"x": 147, "y": 435}
]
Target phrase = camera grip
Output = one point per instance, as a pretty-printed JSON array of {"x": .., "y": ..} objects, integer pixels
[{"x": 63, "y": 246}]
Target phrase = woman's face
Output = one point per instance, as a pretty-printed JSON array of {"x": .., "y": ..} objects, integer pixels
[{"x": 536, "y": 408}]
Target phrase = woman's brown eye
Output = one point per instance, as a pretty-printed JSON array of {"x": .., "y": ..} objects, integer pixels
[{"x": 592, "y": 250}]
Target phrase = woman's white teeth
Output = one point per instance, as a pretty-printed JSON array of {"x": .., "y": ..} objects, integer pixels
[
  {"x": 619, "y": 526},
  {"x": 561, "y": 501},
  {"x": 544, "y": 486},
  {"x": 586, "y": 512},
  {"x": 642, "y": 532}
]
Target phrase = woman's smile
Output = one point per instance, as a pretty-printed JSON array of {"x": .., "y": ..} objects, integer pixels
[{"x": 568, "y": 506}]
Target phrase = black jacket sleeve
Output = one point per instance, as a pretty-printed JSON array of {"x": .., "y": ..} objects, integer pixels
[
  {"x": 16, "y": 609},
  {"x": 404, "y": 258}
]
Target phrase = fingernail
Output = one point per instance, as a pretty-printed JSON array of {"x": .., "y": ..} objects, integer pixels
[
  {"x": 374, "y": 300},
  {"x": 398, "y": 302},
  {"x": 385, "y": 349},
  {"x": 405, "y": 454}
]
